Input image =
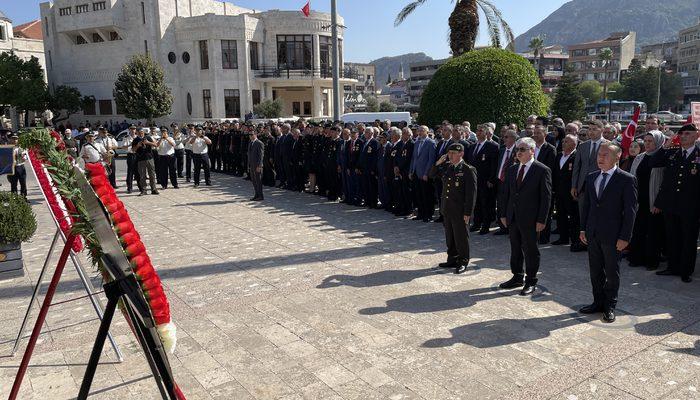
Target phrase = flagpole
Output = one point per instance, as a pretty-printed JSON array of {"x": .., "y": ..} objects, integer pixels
[{"x": 336, "y": 59}]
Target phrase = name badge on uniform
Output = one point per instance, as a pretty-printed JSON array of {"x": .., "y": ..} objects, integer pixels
[
  {"x": 393, "y": 153},
  {"x": 571, "y": 167},
  {"x": 369, "y": 150},
  {"x": 483, "y": 157},
  {"x": 694, "y": 171}
]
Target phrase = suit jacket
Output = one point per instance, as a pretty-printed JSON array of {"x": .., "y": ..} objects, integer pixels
[
  {"x": 441, "y": 147},
  {"x": 610, "y": 217},
  {"x": 404, "y": 156},
  {"x": 528, "y": 204},
  {"x": 547, "y": 155},
  {"x": 561, "y": 177},
  {"x": 584, "y": 164},
  {"x": 256, "y": 151},
  {"x": 423, "y": 157},
  {"x": 368, "y": 156},
  {"x": 353, "y": 153},
  {"x": 458, "y": 188},
  {"x": 485, "y": 161},
  {"x": 512, "y": 160}
]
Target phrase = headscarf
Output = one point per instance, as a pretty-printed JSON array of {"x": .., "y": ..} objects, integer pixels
[{"x": 657, "y": 174}]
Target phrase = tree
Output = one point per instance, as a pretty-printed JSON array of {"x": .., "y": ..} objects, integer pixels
[
  {"x": 591, "y": 91},
  {"x": 487, "y": 85},
  {"x": 268, "y": 109},
  {"x": 615, "y": 87},
  {"x": 22, "y": 83},
  {"x": 605, "y": 56},
  {"x": 372, "y": 104},
  {"x": 536, "y": 45},
  {"x": 464, "y": 24},
  {"x": 642, "y": 84},
  {"x": 671, "y": 89},
  {"x": 386, "y": 106},
  {"x": 140, "y": 89},
  {"x": 388, "y": 80},
  {"x": 64, "y": 99},
  {"x": 569, "y": 104}
]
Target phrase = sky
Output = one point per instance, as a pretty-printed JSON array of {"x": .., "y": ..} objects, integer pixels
[{"x": 370, "y": 30}]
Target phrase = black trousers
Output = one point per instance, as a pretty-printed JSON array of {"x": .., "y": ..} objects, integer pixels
[
  {"x": 166, "y": 168},
  {"x": 457, "y": 239},
  {"x": 647, "y": 238},
  {"x": 523, "y": 248},
  {"x": 604, "y": 264},
  {"x": 20, "y": 177},
  {"x": 485, "y": 209},
  {"x": 681, "y": 239},
  {"x": 188, "y": 164},
  {"x": 132, "y": 172},
  {"x": 113, "y": 172},
  {"x": 201, "y": 161},
  {"x": 333, "y": 180},
  {"x": 256, "y": 179},
  {"x": 567, "y": 217},
  {"x": 369, "y": 188},
  {"x": 405, "y": 197},
  {"x": 180, "y": 161},
  {"x": 426, "y": 201}
]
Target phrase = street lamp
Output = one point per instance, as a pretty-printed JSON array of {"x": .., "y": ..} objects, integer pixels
[
  {"x": 662, "y": 64},
  {"x": 610, "y": 103}
]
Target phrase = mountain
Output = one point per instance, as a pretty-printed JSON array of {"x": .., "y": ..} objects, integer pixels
[
  {"x": 387, "y": 66},
  {"x": 580, "y": 21}
]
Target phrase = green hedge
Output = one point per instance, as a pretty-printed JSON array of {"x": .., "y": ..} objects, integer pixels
[
  {"x": 17, "y": 221},
  {"x": 487, "y": 85}
]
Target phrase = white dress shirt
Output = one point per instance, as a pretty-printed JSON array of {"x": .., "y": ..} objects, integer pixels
[
  {"x": 508, "y": 153},
  {"x": 597, "y": 144},
  {"x": 92, "y": 152},
  {"x": 199, "y": 146},
  {"x": 166, "y": 147},
  {"x": 128, "y": 140},
  {"x": 610, "y": 173},
  {"x": 563, "y": 159},
  {"x": 107, "y": 142},
  {"x": 179, "y": 141}
]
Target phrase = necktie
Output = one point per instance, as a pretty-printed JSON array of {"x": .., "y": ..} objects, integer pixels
[
  {"x": 687, "y": 154},
  {"x": 594, "y": 150},
  {"x": 502, "y": 175},
  {"x": 478, "y": 147},
  {"x": 601, "y": 185},
  {"x": 521, "y": 174}
]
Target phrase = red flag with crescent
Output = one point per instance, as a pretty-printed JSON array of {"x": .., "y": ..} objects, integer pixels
[
  {"x": 307, "y": 8},
  {"x": 628, "y": 135}
]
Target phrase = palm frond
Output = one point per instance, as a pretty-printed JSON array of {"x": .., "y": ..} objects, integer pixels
[
  {"x": 492, "y": 27},
  {"x": 403, "y": 14},
  {"x": 500, "y": 22}
]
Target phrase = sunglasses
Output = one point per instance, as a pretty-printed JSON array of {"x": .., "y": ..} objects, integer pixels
[{"x": 522, "y": 149}]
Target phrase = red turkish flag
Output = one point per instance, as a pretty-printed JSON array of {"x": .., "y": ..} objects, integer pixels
[
  {"x": 628, "y": 135},
  {"x": 307, "y": 8}
]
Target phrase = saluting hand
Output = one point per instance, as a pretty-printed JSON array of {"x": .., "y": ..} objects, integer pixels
[{"x": 441, "y": 160}]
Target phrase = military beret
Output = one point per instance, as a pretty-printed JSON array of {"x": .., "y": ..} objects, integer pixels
[{"x": 455, "y": 147}]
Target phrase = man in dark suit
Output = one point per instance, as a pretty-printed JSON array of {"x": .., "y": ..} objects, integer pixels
[
  {"x": 367, "y": 168},
  {"x": 608, "y": 208},
  {"x": 256, "y": 151},
  {"x": 483, "y": 155},
  {"x": 402, "y": 170},
  {"x": 442, "y": 145},
  {"x": 546, "y": 154},
  {"x": 423, "y": 160},
  {"x": 527, "y": 196},
  {"x": 566, "y": 207},
  {"x": 506, "y": 158},
  {"x": 679, "y": 200},
  {"x": 353, "y": 147}
]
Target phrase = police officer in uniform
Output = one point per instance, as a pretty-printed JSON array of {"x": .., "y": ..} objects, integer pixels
[
  {"x": 678, "y": 200},
  {"x": 459, "y": 184}
]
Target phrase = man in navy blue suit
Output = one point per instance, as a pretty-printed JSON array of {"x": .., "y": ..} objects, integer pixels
[
  {"x": 422, "y": 162},
  {"x": 607, "y": 217}
]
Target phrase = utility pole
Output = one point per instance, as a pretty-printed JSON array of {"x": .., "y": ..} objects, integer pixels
[{"x": 336, "y": 59}]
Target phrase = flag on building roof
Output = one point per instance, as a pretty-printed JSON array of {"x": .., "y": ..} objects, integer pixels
[{"x": 307, "y": 8}]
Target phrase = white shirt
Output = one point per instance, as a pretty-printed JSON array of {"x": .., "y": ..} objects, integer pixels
[
  {"x": 166, "y": 147},
  {"x": 107, "y": 142},
  {"x": 527, "y": 168},
  {"x": 537, "y": 150},
  {"x": 610, "y": 173},
  {"x": 506, "y": 155},
  {"x": 565, "y": 157},
  {"x": 92, "y": 152},
  {"x": 179, "y": 141},
  {"x": 128, "y": 140},
  {"x": 19, "y": 155},
  {"x": 199, "y": 146},
  {"x": 187, "y": 144},
  {"x": 687, "y": 152}
]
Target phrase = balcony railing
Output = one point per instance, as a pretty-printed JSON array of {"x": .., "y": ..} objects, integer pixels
[{"x": 300, "y": 73}]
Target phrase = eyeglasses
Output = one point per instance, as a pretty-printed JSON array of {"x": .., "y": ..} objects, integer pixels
[{"x": 522, "y": 149}]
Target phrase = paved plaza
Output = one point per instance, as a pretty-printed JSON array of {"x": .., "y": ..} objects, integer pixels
[{"x": 299, "y": 298}]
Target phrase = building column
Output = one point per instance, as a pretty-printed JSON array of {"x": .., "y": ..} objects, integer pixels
[
  {"x": 317, "y": 52},
  {"x": 245, "y": 94},
  {"x": 318, "y": 102}
]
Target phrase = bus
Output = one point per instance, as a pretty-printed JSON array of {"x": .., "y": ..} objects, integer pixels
[{"x": 618, "y": 110}]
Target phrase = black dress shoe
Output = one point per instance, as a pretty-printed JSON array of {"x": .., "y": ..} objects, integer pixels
[
  {"x": 427, "y": 219},
  {"x": 484, "y": 231},
  {"x": 686, "y": 279},
  {"x": 578, "y": 247},
  {"x": 609, "y": 316},
  {"x": 512, "y": 283},
  {"x": 460, "y": 269},
  {"x": 447, "y": 264},
  {"x": 590, "y": 309},
  {"x": 528, "y": 289},
  {"x": 439, "y": 219},
  {"x": 501, "y": 232},
  {"x": 154, "y": 192},
  {"x": 416, "y": 218},
  {"x": 474, "y": 228},
  {"x": 666, "y": 272},
  {"x": 560, "y": 242}
]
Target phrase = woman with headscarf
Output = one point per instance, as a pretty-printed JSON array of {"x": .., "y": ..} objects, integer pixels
[{"x": 647, "y": 237}]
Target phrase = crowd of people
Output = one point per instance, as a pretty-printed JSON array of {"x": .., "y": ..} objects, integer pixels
[{"x": 524, "y": 180}]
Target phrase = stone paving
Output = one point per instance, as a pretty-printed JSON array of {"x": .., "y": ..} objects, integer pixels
[{"x": 298, "y": 298}]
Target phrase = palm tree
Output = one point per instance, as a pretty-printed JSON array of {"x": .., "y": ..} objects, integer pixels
[
  {"x": 537, "y": 45},
  {"x": 605, "y": 56},
  {"x": 464, "y": 24}
]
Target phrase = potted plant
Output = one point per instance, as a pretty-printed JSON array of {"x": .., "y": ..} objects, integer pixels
[{"x": 17, "y": 225}]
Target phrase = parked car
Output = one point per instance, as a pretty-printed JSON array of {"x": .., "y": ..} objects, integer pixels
[
  {"x": 669, "y": 116},
  {"x": 120, "y": 140}
]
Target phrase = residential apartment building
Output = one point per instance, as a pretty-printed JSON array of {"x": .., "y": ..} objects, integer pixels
[
  {"x": 551, "y": 64},
  {"x": 364, "y": 86},
  {"x": 419, "y": 76},
  {"x": 220, "y": 60},
  {"x": 689, "y": 62},
  {"x": 654, "y": 54},
  {"x": 23, "y": 40},
  {"x": 585, "y": 57}
]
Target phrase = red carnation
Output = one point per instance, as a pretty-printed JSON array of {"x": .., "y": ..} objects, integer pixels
[
  {"x": 141, "y": 261},
  {"x": 123, "y": 228},
  {"x": 151, "y": 283},
  {"x": 145, "y": 272},
  {"x": 135, "y": 249},
  {"x": 95, "y": 169},
  {"x": 120, "y": 216},
  {"x": 129, "y": 238},
  {"x": 98, "y": 180}
]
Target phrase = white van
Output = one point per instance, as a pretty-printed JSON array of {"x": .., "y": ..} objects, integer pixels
[{"x": 369, "y": 117}]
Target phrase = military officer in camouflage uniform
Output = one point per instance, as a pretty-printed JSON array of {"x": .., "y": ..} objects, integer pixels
[{"x": 457, "y": 204}]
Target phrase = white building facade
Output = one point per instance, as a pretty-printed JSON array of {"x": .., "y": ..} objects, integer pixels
[{"x": 219, "y": 59}]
